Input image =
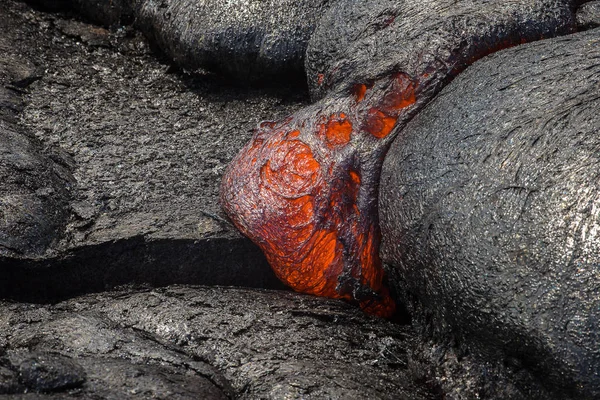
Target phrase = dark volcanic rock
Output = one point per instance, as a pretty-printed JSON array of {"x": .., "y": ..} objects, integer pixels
[
  {"x": 588, "y": 15},
  {"x": 33, "y": 188},
  {"x": 144, "y": 150},
  {"x": 110, "y": 13},
  {"x": 250, "y": 40},
  {"x": 47, "y": 372},
  {"x": 359, "y": 42},
  {"x": 33, "y": 196},
  {"x": 268, "y": 345},
  {"x": 305, "y": 188},
  {"x": 490, "y": 211},
  {"x": 67, "y": 352},
  {"x": 106, "y": 12}
]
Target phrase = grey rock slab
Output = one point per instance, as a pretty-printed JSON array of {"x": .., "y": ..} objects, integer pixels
[
  {"x": 249, "y": 343},
  {"x": 588, "y": 15},
  {"x": 249, "y": 40},
  {"x": 33, "y": 188},
  {"x": 33, "y": 195},
  {"x": 489, "y": 211},
  {"x": 47, "y": 372},
  {"x": 63, "y": 352},
  {"x": 145, "y": 149}
]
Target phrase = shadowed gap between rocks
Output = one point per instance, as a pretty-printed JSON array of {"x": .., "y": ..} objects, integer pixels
[{"x": 157, "y": 262}]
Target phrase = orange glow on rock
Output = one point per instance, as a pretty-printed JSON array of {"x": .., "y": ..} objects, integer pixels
[
  {"x": 321, "y": 262},
  {"x": 320, "y": 79},
  {"x": 401, "y": 95},
  {"x": 381, "y": 120},
  {"x": 359, "y": 92},
  {"x": 299, "y": 192},
  {"x": 293, "y": 134},
  {"x": 305, "y": 188},
  {"x": 337, "y": 130},
  {"x": 379, "y": 124},
  {"x": 292, "y": 170},
  {"x": 355, "y": 177}
]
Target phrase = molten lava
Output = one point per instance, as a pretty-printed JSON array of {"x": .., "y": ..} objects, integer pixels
[{"x": 297, "y": 190}]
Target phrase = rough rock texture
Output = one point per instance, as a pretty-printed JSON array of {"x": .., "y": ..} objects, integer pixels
[
  {"x": 268, "y": 345},
  {"x": 358, "y": 42},
  {"x": 490, "y": 210},
  {"x": 250, "y": 39},
  {"x": 305, "y": 188},
  {"x": 67, "y": 351},
  {"x": 33, "y": 187},
  {"x": 588, "y": 15},
  {"x": 146, "y": 149},
  {"x": 140, "y": 148}
]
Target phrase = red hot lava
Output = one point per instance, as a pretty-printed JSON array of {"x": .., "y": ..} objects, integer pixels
[{"x": 305, "y": 190}]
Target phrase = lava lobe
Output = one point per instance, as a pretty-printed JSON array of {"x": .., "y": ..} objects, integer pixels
[{"x": 304, "y": 189}]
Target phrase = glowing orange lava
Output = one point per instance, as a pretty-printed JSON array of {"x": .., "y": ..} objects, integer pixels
[
  {"x": 297, "y": 190},
  {"x": 359, "y": 92},
  {"x": 337, "y": 130}
]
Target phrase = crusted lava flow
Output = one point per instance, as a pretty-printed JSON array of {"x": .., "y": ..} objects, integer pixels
[{"x": 305, "y": 189}]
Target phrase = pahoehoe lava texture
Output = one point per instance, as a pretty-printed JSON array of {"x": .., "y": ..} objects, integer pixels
[
  {"x": 126, "y": 158},
  {"x": 490, "y": 210},
  {"x": 305, "y": 188},
  {"x": 250, "y": 39},
  {"x": 67, "y": 352},
  {"x": 359, "y": 42},
  {"x": 266, "y": 344}
]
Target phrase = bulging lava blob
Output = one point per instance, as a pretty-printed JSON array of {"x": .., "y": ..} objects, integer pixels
[{"x": 304, "y": 190}]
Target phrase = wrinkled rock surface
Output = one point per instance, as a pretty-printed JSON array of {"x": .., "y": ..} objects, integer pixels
[
  {"x": 490, "y": 210},
  {"x": 267, "y": 344},
  {"x": 124, "y": 154},
  {"x": 305, "y": 187},
  {"x": 359, "y": 42},
  {"x": 34, "y": 188},
  {"x": 65, "y": 351},
  {"x": 251, "y": 40}
]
